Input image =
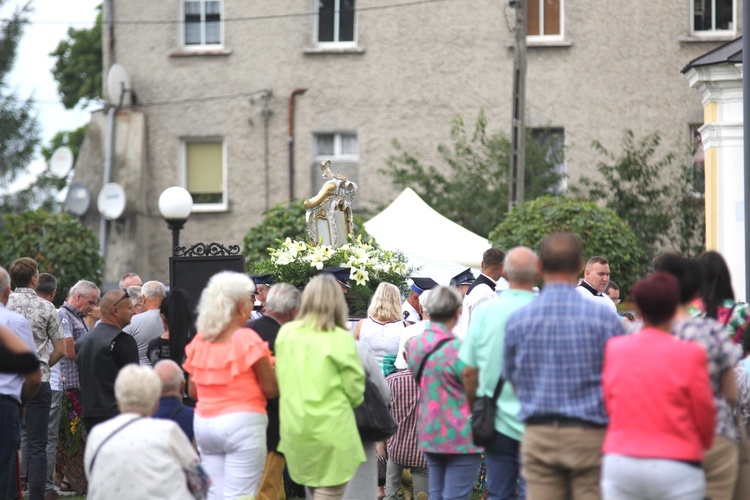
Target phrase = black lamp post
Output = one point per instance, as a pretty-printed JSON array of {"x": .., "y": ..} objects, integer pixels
[{"x": 175, "y": 205}]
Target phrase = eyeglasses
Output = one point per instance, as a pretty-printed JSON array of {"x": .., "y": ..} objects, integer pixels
[{"x": 126, "y": 296}]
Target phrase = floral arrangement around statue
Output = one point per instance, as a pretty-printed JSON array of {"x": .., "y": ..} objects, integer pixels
[{"x": 296, "y": 262}]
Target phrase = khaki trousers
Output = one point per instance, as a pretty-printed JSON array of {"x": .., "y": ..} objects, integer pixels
[
  {"x": 272, "y": 483},
  {"x": 561, "y": 462},
  {"x": 720, "y": 465}
]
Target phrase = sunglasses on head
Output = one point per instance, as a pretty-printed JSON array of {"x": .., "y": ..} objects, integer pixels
[{"x": 126, "y": 296}]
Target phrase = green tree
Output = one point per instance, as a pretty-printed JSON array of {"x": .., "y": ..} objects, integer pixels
[
  {"x": 632, "y": 187},
  {"x": 19, "y": 130},
  {"x": 688, "y": 212},
  {"x": 601, "y": 231},
  {"x": 283, "y": 220},
  {"x": 58, "y": 242},
  {"x": 473, "y": 189},
  {"x": 42, "y": 192},
  {"x": 78, "y": 69}
]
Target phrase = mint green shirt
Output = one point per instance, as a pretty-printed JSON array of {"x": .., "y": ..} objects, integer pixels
[{"x": 484, "y": 347}]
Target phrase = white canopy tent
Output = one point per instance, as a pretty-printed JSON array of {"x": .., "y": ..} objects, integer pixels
[{"x": 442, "y": 248}]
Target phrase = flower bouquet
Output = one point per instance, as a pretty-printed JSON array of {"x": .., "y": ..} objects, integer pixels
[{"x": 296, "y": 262}]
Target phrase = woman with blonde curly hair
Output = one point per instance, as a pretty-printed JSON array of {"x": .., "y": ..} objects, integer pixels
[
  {"x": 381, "y": 330},
  {"x": 231, "y": 378}
]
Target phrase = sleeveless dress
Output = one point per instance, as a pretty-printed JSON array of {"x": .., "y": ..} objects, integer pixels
[{"x": 383, "y": 340}]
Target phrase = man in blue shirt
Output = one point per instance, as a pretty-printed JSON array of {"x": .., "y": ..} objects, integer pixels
[
  {"x": 482, "y": 352},
  {"x": 554, "y": 353},
  {"x": 15, "y": 390},
  {"x": 170, "y": 404}
]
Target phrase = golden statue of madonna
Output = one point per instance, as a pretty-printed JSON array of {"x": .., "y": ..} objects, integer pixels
[{"x": 329, "y": 213}]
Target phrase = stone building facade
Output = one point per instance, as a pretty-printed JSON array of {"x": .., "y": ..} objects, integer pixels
[{"x": 215, "y": 82}]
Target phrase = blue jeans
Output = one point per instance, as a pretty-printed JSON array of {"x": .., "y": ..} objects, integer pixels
[
  {"x": 452, "y": 476},
  {"x": 503, "y": 467},
  {"x": 10, "y": 440}
]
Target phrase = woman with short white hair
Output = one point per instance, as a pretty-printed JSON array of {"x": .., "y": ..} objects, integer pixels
[
  {"x": 134, "y": 455},
  {"x": 231, "y": 376}
]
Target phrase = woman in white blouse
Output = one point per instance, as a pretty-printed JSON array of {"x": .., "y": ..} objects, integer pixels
[
  {"x": 382, "y": 329},
  {"x": 135, "y": 456}
]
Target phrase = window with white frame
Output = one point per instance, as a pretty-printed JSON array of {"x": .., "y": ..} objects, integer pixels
[
  {"x": 713, "y": 17},
  {"x": 335, "y": 22},
  {"x": 552, "y": 142},
  {"x": 202, "y": 23},
  {"x": 205, "y": 173},
  {"x": 544, "y": 19},
  {"x": 343, "y": 151}
]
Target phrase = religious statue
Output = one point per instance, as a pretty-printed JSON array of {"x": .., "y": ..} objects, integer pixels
[{"x": 329, "y": 213}]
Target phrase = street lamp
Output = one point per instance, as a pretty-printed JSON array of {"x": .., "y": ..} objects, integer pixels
[{"x": 175, "y": 205}]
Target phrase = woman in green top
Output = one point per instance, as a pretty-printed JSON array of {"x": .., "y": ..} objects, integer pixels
[{"x": 321, "y": 380}]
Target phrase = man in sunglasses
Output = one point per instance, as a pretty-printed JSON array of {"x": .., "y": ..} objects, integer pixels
[{"x": 101, "y": 354}]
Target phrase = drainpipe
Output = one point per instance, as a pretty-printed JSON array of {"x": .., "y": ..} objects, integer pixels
[{"x": 295, "y": 93}]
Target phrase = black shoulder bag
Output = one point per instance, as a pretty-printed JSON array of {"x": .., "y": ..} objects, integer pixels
[{"x": 483, "y": 416}]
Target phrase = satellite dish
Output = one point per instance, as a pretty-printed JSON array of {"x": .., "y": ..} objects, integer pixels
[
  {"x": 111, "y": 201},
  {"x": 78, "y": 200},
  {"x": 61, "y": 162},
  {"x": 118, "y": 86}
]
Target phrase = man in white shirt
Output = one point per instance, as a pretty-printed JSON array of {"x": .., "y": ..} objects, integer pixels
[
  {"x": 483, "y": 288},
  {"x": 411, "y": 309},
  {"x": 595, "y": 281}
]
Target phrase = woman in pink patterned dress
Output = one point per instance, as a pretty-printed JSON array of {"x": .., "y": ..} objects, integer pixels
[{"x": 444, "y": 428}]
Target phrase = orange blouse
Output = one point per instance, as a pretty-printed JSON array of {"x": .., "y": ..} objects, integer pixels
[{"x": 223, "y": 373}]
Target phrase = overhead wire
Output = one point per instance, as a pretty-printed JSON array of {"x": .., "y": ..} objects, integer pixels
[{"x": 411, "y": 3}]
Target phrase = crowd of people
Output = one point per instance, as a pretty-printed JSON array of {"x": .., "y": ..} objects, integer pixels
[{"x": 262, "y": 395}]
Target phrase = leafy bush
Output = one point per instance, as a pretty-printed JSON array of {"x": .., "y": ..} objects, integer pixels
[
  {"x": 58, "y": 242},
  {"x": 475, "y": 175},
  {"x": 632, "y": 187},
  {"x": 602, "y": 233}
]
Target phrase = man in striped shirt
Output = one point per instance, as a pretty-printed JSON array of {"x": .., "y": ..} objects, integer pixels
[{"x": 403, "y": 446}]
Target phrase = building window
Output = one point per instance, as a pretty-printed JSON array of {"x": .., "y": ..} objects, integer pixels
[
  {"x": 334, "y": 22},
  {"x": 551, "y": 141},
  {"x": 697, "y": 160},
  {"x": 202, "y": 23},
  {"x": 713, "y": 16},
  {"x": 544, "y": 19},
  {"x": 343, "y": 151},
  {"x": 205, "y": 173}
]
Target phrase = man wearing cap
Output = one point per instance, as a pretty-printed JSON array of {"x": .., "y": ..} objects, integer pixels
[
  {"x": 342, "y": 275},
  {"x": 595, "y": 281},
  {"x": 263, "y": 284},
  {"x": 463, "y": 281},
  {"x": 411, "y": 309}
]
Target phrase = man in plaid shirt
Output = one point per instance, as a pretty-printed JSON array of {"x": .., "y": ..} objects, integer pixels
[
  {"x": 82, "y": 298},
  {"x": 554, "y": 353},
  {"x": 403, "y": 446}
]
